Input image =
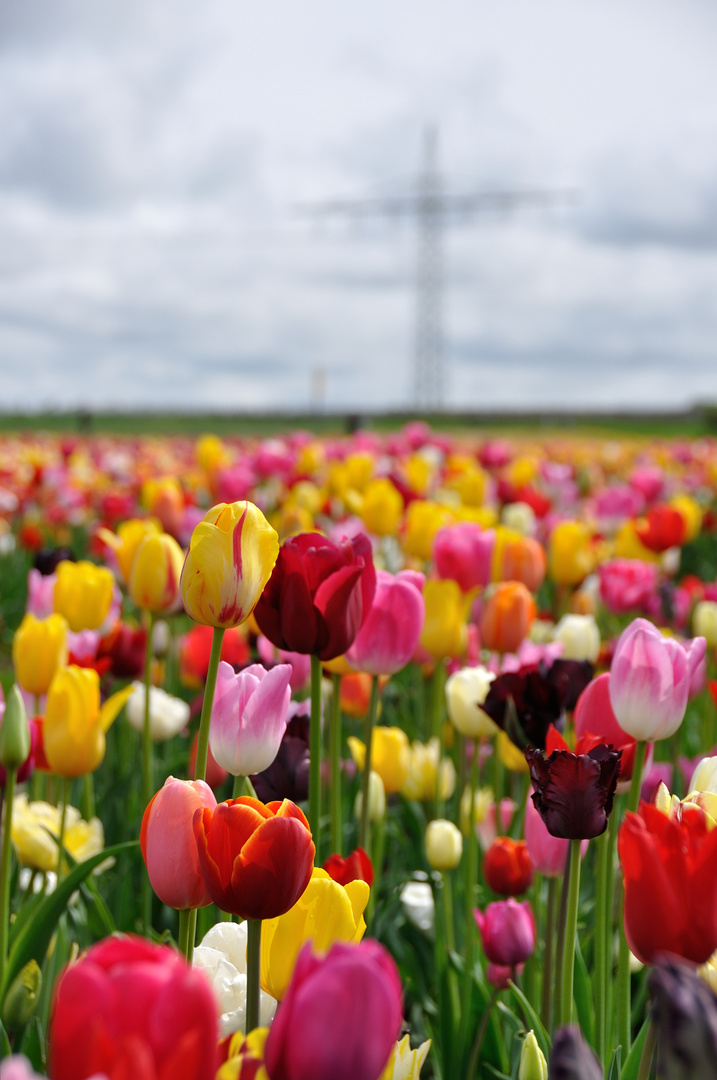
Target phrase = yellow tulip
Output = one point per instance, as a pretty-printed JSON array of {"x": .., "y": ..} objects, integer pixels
[
  {"x": 326, "y": 912},
  {"x": 423, "y": 520},
  {"x": 211, "y": 453},
  {"x": 83, "y": 594},
  {"x": 390, "y": 756},
  {"x": 510, "y": 755},
  {"x": 39, "y": 648},
  {"x": 230, "y": 559},
  {"x": 35, "y": 823},
  {"x": 570, "y": 556},
  {"x": 156, "y": 569},
  {"x": 419, "y": 472},
  {"x": 382, "y": 507},
  {"x": 423, "y": 764},
  {"x": 359, "y": 470},
  {"x": 405, "y": 1063},
  {"x": 629, "y": 546},
  {"x": 444, "y": 631},
  {"x": 245, "y": 1051},
  {"x": 128, "y": 538},
  {"x": 74, "y": 726},
  {"x": 691, "y": 513}
]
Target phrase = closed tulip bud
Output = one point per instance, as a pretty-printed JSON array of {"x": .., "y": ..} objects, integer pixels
[
  {"x": 570, "y": 555},
  {"x": 507, "y": 616},
  {"x": 418, "y": 905},
  {"x": 390, "y": 756},
  {"x": 155, "y": 573},
  {"x": 376, "y": 800},
  {"x": 520, "y": 517},
  {"x": 571, "y": 1058},
  {"x": 507, "y": 866},
  {"x": 74, "y": 726},
  {"x": 444, "y": 631},
  {"x": 83, "y": 594},
  {"x": 580, "y": 637},
  {"x": 533, "y": 1065},
  {"x": 423, "y": 520},
  {"x": 127, "y": 540},
  {"x": 466, "y": 690},
  {"x": 230, "y": 559},
  {"x": 249, "y": 717},
  {"x": 508, "y": 931},
  {"x": 167, "y": 714},
  {"x": 382, "y": 508},
  {"x": 524, "y": 560},
  {"x": 444, "y": 845},
  {"x": 685, "y": 1013},
  {"x": 704, "y": 621},
  {"x": 463, "y": 553},
  {"x": 39, "y": 648},
  {"x": 389, "y": 635},
  {"x": 21, "y": 998},
  {"x": 168, "y": 845},
  {"x": 427, "y": 771},
  {"x": 15, "y": 739}
]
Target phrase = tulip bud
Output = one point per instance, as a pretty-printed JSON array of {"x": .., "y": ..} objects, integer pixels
[
  {"x": 686, "y": 1017},
  {"x": 466, "y": 690},
  {"x": 15, "y": 741},
  {"x": 580, "y": 637},
  {"x": 444, "y": 845},
  {"x": 704, "y": 621},
  {"x": 571, "y": 1058},
  {"x": 376, "y": 800},
  {"x": 418, "y": 905},
  {"x": 533, "y": 1065},
  {"x": 21, "y": 998}
]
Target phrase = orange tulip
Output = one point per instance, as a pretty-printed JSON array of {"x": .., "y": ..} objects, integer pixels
[
  {"x": 524, "y": 560},
  {"x": 507, "y": 616}
]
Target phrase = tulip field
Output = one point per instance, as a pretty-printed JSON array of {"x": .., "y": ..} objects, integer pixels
[{"x": 367, "y": 757}]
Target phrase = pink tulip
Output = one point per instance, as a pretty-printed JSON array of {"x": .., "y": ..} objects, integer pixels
[
  {"x": 40, "y": 593},
  {"x": 649, "y": 480},
  {"x": 627, "y": 584},
  {"x": 17, "y": 1067},
  {"x": 508, "y": 931},
  {"x": 340, "y": 1016},
  {"x": 548, "y": 853},
  {"x": 300, "y": 662},
  {"x": 616, "y": 503},
  {"x": 464, "y": 553},
  {"x": 249, "y": 717},
  {"x": 650, "y": 680},
  {"x": 168, "y": 845},
  {"x": 389, "y": 635}
]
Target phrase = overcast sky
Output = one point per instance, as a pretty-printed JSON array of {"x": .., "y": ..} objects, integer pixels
[{"x": 152, "y": 153}]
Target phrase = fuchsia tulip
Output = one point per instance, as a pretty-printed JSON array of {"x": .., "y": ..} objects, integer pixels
[
  {"x": 464, "y": 553},
  {"x": 390, "y": 633},
  {"x": 340, "y": 1016},
  {"x": 627, "y": 584},
  {"x": 508, "y": 931},
  {"x": 130, "y": 1008},
  {"x": 249, "y": 716},
  {"x": 650, "y": 680},
  {"x": 168, "y": 845}
]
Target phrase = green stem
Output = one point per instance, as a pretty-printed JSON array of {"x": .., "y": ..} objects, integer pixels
[
  {"x": 571, "y": 928},
  {"x": 147, "y": 762},
  {"x": 470, "y": 927},
  {"x": 623, "y": 964},
  {"x": 603, "y": 850},
  {"x": 546, "y": 1007},
  {"x": 364, "y": 825},
  {"x": 448, "y": 910},
  {"x": 648, "y": 1050},
  {"x": 64, "y": 794},
  {"x": 184, "y": 931},
  {"x": 560, "y": 944},
  {"x": 607, "y": 975},
  {"x": 480, "y": 1036},
  {"x": 335, "y": 757},
  {"x": 253, "y": 971},
  {"x": 191, "y": 934},
  {"x": 200, "y": 769},
  {"x": 438, "y": 695},
  {"x": 88, "y": 797},
  {"x": 5, "y": 870},
  {"x": 243, "y": 786},
  {"x": 315, "y": 755}
]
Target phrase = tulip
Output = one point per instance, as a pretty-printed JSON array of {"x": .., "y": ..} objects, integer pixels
[
  {"x": 195, "y": 651},
  {"x": 34, "y": 824},
  {"x": 288, "y": 776},
  {"x": 507, "y": 866},
  {"x": 423, "y": 520},
  {"x": 256, "y": 860},
  {"x": 249, "y": 716},
  {"x": 523, "y": 560},
  {"x": 390, "y": 756},
  {"x": 571, "y": 1058},
  {"x": 507, "y": 616},
  {"x": 463, "y": 553},
  {"x": 419, "y": 905},
  {"x": 326, "y": 912},
  {"x": 222, "y": 958},
  {"x": 650, "y": 680},
  {"x": 168, "y": 846},
  {"x": 537, "y": 696},
  {"x": 376, "y": 800},
  {"x": 405, "y": 1063},
  {"x": 125, "y": 648},
  {"x": 580, "y": 637},
  {"x": 358, "y": 986},
  {"x": 627, "y": 584},
  {"x": 444, "y": 845},
  {"x": 389, "y": 634},
  {"x": 40, "y": 593},
  {"x": 570, "y": 556},
  {"x": 130, "y": 1008},
  {"x": 685, "y": 1014},
  {"x": 444, "y": 632},
  {"x": 663, "y": 528},
  {"x": 382, "y": 507},
  {"x": 574, "y": 792},
  {"x": 318, "y": 596},
  {"x": 466, "y": 690},
  {"x": 508, "y": 931},
  {"x": 230, "y": 559},
  {"x": 168, "y": 715},
  {"x": 154, "y": 578},
  {"x": 669, "y": 865},
  {"x": 533, "y": 1065},
  {"x": 75, "y": 725},
  {"x": 125, "y": 543},
  {"x": 704, "y": 622},
  {"x": 518, "y": 517},
  {"x": 39, "y": 648},
  {"x": 594, "y": 718},
  {"x": 428, "y": 772},
  {"x": 355, "y": 867},
  {"x": 548, "y": 853},
  {"x": 83, "y": 594}
]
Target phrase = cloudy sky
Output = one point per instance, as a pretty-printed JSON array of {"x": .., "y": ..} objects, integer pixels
[{"x": 153, "y": 154}]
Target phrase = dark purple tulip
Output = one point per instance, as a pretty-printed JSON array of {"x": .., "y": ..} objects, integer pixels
[
  {"x": 685, "y": 1013},
  {"x": 288, "y": 775},
  {"x": 574, "y": 792},
  {"x": 571, "y": 1058},
  {"x": 540, "y": 695}
]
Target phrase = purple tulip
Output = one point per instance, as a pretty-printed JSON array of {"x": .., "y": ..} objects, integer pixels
[
  {"x": 249, "y": 717},
  {"x": 650, "y": 680},
  {"x": 389, "y": 635},
  {"x": 464, "y": 553},
  {"x": 508, "y": 931},
  {"x": 358, "y": 989}
]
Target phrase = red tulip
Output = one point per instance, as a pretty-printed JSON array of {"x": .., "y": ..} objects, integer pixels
[
  {"x": 340, "y": 1016},
  {"x": 356, "y": 867},
  {"x": 663, "y": 528},
  {"x": 256, "y": 859},
  {"x": 168, "y": 845},
  {"x": 132, "y": 1009},
  {"x": 318, "y": 595},
  {"x": 669, "y": 866},
  {"x": 507, "y": 866}
]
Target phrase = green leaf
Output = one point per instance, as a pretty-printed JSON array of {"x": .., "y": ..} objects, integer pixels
[
  {"x": 34, "y": 936},
  {"x": 632, "y": 1061},
  {"x": 532, "y": 1018},
  {"x": 5, "y": 1048},
  {"x": 583, "y": 995},
  {"x": 613, "y": 1072}
]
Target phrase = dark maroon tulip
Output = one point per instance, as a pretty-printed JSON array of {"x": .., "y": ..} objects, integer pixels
[
  {"x": 571, "y": 1058},
  {"x": 48, "y": 559},
  {"x": 288, "y": 775},
  {"x": 540, "y": 695},
  {"x": 318, "y": 595},
  {"x": 685, "y": 1013},
  {"x": 574, "y": 792}
]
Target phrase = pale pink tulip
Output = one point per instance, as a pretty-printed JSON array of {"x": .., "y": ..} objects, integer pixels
[{"x": 249, "y": 717}]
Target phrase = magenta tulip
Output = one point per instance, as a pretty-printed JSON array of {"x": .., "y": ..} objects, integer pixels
[
  {"x": 389, "y": 636},
  {"x": 168, "y": 845},
  {"x": 627, "y": 584},
  {"x": 340, "y": 1016},
  {"x": 249, "y": 717},
  {"x": 464, "y": 553},
  {"x": 650, "y": 680},
  {"x": 508, "y": 931}
]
